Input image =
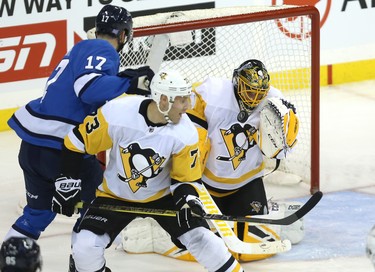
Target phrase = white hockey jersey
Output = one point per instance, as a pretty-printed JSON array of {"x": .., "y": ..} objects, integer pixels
[
  {"x": 144, "y": 157},
  {"x": 234, "y": 158}
]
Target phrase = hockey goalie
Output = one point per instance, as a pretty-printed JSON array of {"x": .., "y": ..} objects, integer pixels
[{"x": 240, "y": 121}]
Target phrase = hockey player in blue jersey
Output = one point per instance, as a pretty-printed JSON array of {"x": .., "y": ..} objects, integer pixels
[{"x": 85, "y": 79}]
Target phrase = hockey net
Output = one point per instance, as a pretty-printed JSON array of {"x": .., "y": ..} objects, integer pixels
[{"x": 212, "y": 42}]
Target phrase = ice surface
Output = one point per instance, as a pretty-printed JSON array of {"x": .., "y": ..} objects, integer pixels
[{"x": 335, "y": 230}]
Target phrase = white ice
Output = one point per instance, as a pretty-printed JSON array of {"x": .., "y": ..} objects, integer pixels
[{"x": 347, "y": 164}]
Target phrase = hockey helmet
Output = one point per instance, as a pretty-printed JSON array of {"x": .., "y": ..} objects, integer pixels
[
  {"x": 20, "y": 254},
  {"x": 251, "y": 83},
  {"x": 171, "y": 84},
  {"x": 112, "y": 20}
]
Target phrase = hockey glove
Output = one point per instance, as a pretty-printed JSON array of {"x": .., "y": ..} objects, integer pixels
[
  {"x": 278, "y": 128},
  {"x": 139, "y": 80},
  {"x": 190, "y": 211},
  {"x": 66, "y": 196}
]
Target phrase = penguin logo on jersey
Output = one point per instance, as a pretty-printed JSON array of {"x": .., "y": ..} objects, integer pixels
[
  {"x": 256, "y": 206},
  {"x": 139, "y": 165},
  {"x": 238, "y": 140}
]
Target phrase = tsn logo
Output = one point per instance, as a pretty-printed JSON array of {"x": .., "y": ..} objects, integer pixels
[{"x": 31, "y": 51}]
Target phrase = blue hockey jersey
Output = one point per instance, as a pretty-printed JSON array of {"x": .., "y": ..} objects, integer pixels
[{"x": 82, "y": 82}]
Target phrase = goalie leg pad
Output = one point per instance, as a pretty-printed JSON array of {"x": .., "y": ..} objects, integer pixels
[
  {"x": 254, "y": 234},
  {"x": 145, "y": 235},
  {"x": 294, "y": 232}
]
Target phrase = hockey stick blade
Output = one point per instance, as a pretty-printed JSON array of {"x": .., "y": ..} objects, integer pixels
[
  {"x": 230, "y": 238},
  {"x": 308, "y": 206}
]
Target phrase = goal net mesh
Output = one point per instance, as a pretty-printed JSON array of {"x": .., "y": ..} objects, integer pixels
[{"x": 213, "y": 42}]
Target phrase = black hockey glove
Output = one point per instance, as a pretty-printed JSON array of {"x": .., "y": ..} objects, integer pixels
[
  {"x": 139, "y": 80},
  {"x": 192, "y": 207},
  {"x": 66, "y": 196}
]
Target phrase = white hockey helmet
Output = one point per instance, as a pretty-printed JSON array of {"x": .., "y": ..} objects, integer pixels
[
  {"x": 370, "y": 245},
  {"x": 171, "y": 84}
]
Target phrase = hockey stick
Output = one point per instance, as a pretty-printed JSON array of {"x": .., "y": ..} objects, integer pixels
[
  {"x": 308, "y": 206},
  {"x": 159, "y": 46},
  {"x": 230, "y": 238},
  {"x": 225, "y": 231},
  {"x": 223, "y": 228}
]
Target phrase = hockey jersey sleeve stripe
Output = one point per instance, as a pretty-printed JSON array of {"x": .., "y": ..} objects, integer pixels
[
  {"x": 50, "y": 117},
  {"x": 40, "y": 126},
  {"x": 83, "y": 82},
  {"x": 15, "y": 124},
  {"x": 195, "y": 119},
  {"x": 74, "y": 143},
  {"x": 102, "y": 88},
  {"x": 197, "y": 112}
]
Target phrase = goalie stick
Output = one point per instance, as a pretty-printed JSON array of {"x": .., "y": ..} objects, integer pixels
[{"x": 262, "y": 219}]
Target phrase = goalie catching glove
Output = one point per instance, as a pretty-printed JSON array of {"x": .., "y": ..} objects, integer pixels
[
  {"x": 278, "y": 128},
  {"x": 67, "y": 194}
]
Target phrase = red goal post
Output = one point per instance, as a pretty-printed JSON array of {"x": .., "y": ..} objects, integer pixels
[{"x": 212, "y": 42}]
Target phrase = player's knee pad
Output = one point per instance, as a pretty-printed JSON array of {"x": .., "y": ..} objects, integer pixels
[
  {"x": 294, "y": 232},
  {"x": 88, "y": 251},
  {"x": 145, "y": 235},
  {"x": 32, "y": 222},
  {"x": 254, "y": 234}
]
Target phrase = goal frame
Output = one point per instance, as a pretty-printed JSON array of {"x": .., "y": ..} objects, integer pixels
[{"x": 262, "y": 16}]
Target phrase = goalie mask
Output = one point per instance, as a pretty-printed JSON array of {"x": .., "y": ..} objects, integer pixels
[
  {"x": 171, "y": 84},
  {"x": 251, "y": 85},
  {"x": 113, "y": 20},
  {"x": 20, "y": 254}
]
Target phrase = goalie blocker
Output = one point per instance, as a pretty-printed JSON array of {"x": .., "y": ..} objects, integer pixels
[{"x": 278, "y": 128}]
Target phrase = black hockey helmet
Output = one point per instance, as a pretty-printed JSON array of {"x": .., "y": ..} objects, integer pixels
[
  {"x": 20, "y": 255},
  {"x": 112, "y": 20},
  {"x": 251, "y": 83}
]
